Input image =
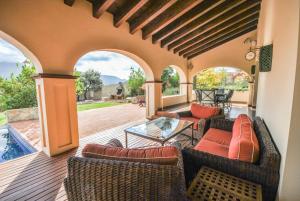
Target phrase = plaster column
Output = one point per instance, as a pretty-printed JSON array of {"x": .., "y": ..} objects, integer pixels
[
  {"x": 184, "y": 90},
  {"x": 251, "y": 94},
  {"x": 190, "y": 97},
  {"x": 57, "y": 112},
  {"x": 153, "y": 97}
]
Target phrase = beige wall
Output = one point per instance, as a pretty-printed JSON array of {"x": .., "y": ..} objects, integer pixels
[
  {"x": 58, "y": 35},
  {"x": 173, "y": 100},
  {"x": 278, "y": 90},
  {"x": 230, "y": 54}
]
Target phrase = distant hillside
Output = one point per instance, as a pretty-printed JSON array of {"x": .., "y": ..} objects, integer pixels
[
  {"x": 7, "y": 68},
  {"x": 109, "y": 79}
]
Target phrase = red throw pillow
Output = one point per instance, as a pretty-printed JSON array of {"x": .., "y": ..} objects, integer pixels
[
  {"x": 167, "y": 155},
  {"x": 244, "y": 145},
  {"x": 203, "y": 112}
]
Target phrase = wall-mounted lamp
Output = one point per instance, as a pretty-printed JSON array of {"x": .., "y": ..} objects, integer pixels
[{"x": 251, "y": 54}]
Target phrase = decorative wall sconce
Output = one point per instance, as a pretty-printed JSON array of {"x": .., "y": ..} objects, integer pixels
[{"x": 251, "y": 54}]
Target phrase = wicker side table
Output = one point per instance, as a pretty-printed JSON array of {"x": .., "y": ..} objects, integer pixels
[{"x": 210, "y": 184}]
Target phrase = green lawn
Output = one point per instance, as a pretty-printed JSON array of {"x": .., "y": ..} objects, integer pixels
[
  {"x": 89, "y": 106},
  {"x": 2, "y": 118}
]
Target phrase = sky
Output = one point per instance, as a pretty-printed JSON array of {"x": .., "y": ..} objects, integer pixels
[
  {"x": 9, "y": 53},
  {"x": 107, "y": 63}
]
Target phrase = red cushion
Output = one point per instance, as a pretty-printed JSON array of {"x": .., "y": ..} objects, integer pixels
[
  {"x": 167, "y": 155},
  {"x": 241, "y": 119},
  {"x": 244, "y": 144},
  {"x": 203, "y": 112},
  {"x": 212, "y": 148},
  {"x": 218, "y": 136},
  {"x": 192, "y": 119}
]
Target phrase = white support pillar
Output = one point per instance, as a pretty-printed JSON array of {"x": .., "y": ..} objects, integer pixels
[
  {"x": 153, "y": 97},
  {"x": 251, "y": 94},
  {"x": 184, "y": 87},
  {"x": 57, "y": 112},
  {"x": 190, "y": 97}
]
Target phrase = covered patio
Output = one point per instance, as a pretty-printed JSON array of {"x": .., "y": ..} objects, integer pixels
[{"x": 189, "y": 35}]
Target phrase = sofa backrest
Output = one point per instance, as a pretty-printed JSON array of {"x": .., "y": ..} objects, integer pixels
[
  {"x": 244, "y": 145},
  {"x": 269, "y": 156},
  {"x": 204, "y": 112}
]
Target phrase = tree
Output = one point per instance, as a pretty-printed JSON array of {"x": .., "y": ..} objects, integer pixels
[
  {"x": 136, "y": 81},
  {"x": 91, "y": 80},
  {"x": 169, "y": 78},
  {"x": 212, "y": 78},
  {"x": 19, "y": 91},
  {"x": 79, "y": 84}
]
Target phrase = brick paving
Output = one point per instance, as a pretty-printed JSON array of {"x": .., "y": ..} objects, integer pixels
[{"x": 89, "y": 121}]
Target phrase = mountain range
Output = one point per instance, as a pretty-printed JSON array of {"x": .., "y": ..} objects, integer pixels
[
  {"x": 7, "y": 68},
  {"x": 110, "y": 79}
]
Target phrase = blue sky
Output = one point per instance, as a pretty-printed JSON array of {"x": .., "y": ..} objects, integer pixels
[
  {"x": 9, "y": 53},
  {"x": 107, "y": 63}
]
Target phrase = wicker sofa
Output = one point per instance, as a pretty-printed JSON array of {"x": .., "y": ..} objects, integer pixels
[
  {"x": 265, "y": 171},
  {"x": 102, "y": 179},
  {"x": 201, "y": 125}
]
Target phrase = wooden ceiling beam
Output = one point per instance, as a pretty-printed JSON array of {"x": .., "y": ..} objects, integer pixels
[
  {"x": 222, "y": 21},
  {"x": 100, "y": 6},
  {"x": 223, "y": 34},
  {"x": 175, "y": 11},
  {"x": 184, "y": 19},
  {"x": 69, "y": 2},
  {"x": 221, "y": 42},
  {"x": 215, "y": 12},
  {"x": 125, "y": 13},
  {"x": 210, "y": 29},
  {"x": 155, "y": 10}
]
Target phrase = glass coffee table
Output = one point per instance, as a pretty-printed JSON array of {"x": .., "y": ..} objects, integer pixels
[{"x": 159, "y": 130}]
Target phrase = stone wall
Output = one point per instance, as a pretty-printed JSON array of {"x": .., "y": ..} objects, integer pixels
[{"x": 22, "y": 114}]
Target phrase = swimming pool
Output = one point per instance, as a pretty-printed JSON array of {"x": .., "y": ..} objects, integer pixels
[{"x": 12, "y": 145}]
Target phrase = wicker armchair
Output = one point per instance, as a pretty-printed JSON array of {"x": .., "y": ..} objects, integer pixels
[
  {"x": 264, "y": 172},
  {"x": 203, "y": 124},
  {"x": 100, "y": 179}
]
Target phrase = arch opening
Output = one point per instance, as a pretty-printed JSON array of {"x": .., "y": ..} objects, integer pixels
[
  {"x": 25, "y": 51},
  {"x": 122, "y": 84},
  {"x": 19, "y": 104},
  {"x": 172, "y": 77},
  {"x": 225, "y": 78}
]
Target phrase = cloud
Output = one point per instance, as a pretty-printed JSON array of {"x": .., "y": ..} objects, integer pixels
[
  {"x": 9, "y": 53},
  {"x": 107, "y": 63}
]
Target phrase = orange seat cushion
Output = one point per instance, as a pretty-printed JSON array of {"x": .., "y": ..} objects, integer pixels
[
  {"x": 192, "y": 119},
  {"x": 167, "y": 155},
  {"x": 203, "y": 112},
  {"x": 212, "y": 148},
  {"x": 218, "y": 136},
  {"x": 244, "y": 144}
]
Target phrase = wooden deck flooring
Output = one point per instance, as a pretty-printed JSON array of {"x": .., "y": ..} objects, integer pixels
[{"x": 39, "y": 177}]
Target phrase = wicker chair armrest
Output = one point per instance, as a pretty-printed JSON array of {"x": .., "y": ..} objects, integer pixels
[
  {"x": 184, "y": 114},
  {"x": 194, "y": 160},
  {"x": 114, "y": 143},
  {"x": 223, "y": 124},
  {"x": 101, "y": 179}
]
